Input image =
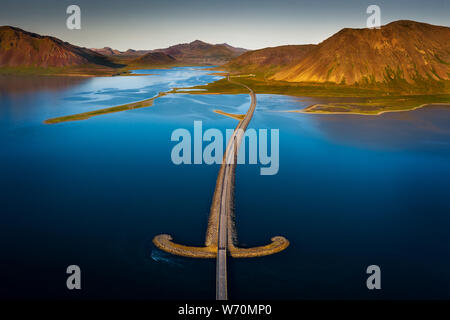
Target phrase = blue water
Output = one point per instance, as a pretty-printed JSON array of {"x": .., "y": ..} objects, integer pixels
[{"x": 351, "y": 191}]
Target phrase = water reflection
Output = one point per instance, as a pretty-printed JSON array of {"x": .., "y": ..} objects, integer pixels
[
  {"x": 419, "y": 129},
  {"x": 13, "y": 85}
]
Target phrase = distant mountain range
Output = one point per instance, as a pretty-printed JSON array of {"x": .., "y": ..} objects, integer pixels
[
  {"x": 154, "y": 59},
  {"x": 199, "y": 52},
  {"x": 196, "y": 52},
  {"x": 20, "y": 48},
  {"x": 107, "y": 51},
  {"x": 404, "y": 49}
]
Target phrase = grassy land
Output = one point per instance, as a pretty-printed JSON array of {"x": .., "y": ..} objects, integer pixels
[
  {"x": 261, "y": 86},
  {"x": 85, "y": 70},
  {"x": 373, "y": 99}
]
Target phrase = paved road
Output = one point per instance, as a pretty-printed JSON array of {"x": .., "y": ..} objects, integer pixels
[{"x": 227, "y": 197}]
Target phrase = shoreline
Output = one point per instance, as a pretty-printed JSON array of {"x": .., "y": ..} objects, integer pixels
[
  {"x": 379, "y": 113},
  {"x": 238, "y": 117},
  {"x": 198, "y": 90},
  {"x": 89, "y": 114}
]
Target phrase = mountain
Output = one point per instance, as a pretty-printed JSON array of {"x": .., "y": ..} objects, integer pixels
[
  {"x": 269, "y": 60},
  {"x": 132, "y": 52},
  {"x": 154, "y": 59},
  {"x": 107, "y": 51},
  {"x": 199, "y": 52},
  {"x": 234, "y": 49},
  {"x": 19, "y": 48},
  {"x": 404, "y": 49}
]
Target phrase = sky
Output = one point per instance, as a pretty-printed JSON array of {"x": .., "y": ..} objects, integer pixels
[{"x": 251, "y": 24}]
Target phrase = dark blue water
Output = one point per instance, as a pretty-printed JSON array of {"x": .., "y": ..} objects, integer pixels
[{"x": 351, "y": 191}]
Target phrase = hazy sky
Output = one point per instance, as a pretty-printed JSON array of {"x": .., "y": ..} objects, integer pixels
[{"x": 149, "y": 24}]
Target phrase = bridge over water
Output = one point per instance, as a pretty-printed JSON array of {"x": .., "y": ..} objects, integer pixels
[{"x": 221, "y": 236}]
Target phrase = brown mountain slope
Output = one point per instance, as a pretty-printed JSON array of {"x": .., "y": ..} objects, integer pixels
[
  {"x": 234, "y": 49},
  {"x": 200, "y": 52},
  {"x": 402, "y": 50},
  {"x": 269, "y": 60},
  {"x": 154, "y": 59},
  {"x": 136, "y": 53},
  {"x": 107, "y": 51},
  {"x": 21, "y": 48}
]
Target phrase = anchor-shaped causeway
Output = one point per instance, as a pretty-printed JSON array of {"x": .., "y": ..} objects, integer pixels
[{"x": 221, "y": 236}]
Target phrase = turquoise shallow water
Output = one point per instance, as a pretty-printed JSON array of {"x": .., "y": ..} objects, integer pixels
[{"x": 351, "y": 191}]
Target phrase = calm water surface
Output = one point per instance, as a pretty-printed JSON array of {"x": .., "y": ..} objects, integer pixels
[{"x": 351, "y": 191}]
